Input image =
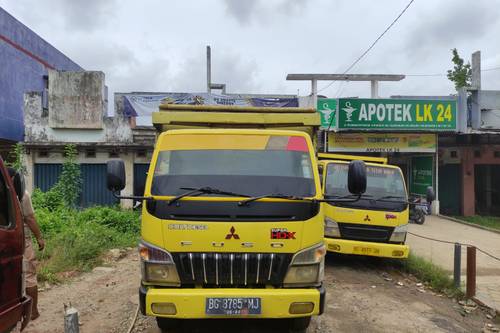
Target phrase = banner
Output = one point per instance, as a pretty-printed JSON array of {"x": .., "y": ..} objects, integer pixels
[
  {"x": 381, "y": 143},
  {"x": 397, "y": 114},
  {"x": 142, "y": 106},
  {"x": 327, "y": 108},
  {"x": 421, "y": 174}
]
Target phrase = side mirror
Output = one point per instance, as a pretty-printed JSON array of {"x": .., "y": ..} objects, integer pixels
[
  {"x": 356, "y": 181},
  {"x": 19, "y": 185},
  {"x": 18, "y": 182},
  {"x": 116, "y": 175},
  {"x": 430, "y": 196}
]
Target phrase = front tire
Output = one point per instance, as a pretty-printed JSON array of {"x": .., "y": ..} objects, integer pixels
[{"x": 299, "y": 325}]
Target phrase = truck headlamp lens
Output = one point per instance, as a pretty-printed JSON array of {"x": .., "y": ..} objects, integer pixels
[
  {"x": 157, "y": 266},
  {"x": 399, "y": 234},
  {"x": 331, "y": 228},
  {"x": 307, "y": 267},
  {"x": 160, "y": 273},
  {"x": 306, "y": 274}
]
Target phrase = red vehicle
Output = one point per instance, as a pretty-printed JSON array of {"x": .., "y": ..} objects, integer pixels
[{"x": 15, "y": 306}]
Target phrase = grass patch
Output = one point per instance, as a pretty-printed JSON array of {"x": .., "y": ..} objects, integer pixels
[
  {"x": 437, "y": 278},
  {"x": 75, "y": 240},
  {"x": 492, "y": 222}
]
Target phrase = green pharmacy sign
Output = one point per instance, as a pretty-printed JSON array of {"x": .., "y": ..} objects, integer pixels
[
  {"x": 327, "y": 108},
  {"x": 397, "y": 114}
]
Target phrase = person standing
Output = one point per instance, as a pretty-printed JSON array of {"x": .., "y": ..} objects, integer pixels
[{"x": 29, "y": 259}]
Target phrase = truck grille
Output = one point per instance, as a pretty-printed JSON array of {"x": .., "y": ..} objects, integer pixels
[
  {"x": 365, "y": 232},
  {"x": 232, "y": 269}
]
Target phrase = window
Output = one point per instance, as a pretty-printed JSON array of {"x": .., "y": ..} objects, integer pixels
[
  {"x": 141, "y": 153},
  {"x": 477, "y": 153},
  {"x": 113, "y": 154},
  {"x": 90, "y": 153},
  {"x": 453, "y": 154},
  {"x": 43, "y": 153},
  {"x": 496, "y": 154},
  {"x": 4, "y": 203}
]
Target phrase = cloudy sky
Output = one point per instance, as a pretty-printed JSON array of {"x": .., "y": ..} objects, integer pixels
[{"x": 155, "y": 45}]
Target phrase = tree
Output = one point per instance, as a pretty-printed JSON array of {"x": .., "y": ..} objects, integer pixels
[{"x": 461, "y": 73}]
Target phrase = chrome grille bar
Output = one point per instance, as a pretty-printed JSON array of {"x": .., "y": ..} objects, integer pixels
[
  {"x": 246, "y": 267},
  {"x": 258, "y": 268},
  {"x": 231, "y": 258},
  {"x": 191, "y": 262},
  {"x": 270, "y": 267},
  {"x": 204, "y": 256},
  {"x": 217, "y": 269}
]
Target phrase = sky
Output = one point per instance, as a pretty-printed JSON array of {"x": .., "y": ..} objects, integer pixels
[{"x": 160, "y": 46}]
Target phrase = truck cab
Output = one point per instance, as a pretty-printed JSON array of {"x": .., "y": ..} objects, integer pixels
[
  {"x": 374, "y": 225},
  {"x": 15, "y": 306},
  {"x": 232, "y": 220}
]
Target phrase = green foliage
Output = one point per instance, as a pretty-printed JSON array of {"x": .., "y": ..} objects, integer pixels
[
  {"x": 461, "y": 73},
  {"x": 75, "y": 240},
  {"x": 485, "y": 221},
  {"x": 434, "y": 275},
  {"x": 16, "y": 158},
  {"x": 69, "y": 185}
]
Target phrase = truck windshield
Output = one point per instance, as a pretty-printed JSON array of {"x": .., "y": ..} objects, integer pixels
[
  {"x": 382, "y": 183},
  {"x": 285, "y": 169}
]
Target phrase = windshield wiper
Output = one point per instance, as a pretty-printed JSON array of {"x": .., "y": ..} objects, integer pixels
[
  {"x": 202, "y": 190},
  {"x": 384, "y": 198},
  {"x": 273, "y": 195}
]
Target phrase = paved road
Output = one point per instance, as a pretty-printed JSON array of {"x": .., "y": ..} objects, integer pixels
[{"x": 488, "y": 269}]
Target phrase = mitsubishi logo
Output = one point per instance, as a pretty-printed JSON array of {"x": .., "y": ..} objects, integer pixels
[
  {"x": 232, "y": 234},
  {"x": 367, "y": 218}
]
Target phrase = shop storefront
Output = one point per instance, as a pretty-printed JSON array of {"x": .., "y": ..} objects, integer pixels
[{"x": 403, "y": 130}]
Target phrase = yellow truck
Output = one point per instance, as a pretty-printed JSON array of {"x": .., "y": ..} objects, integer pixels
[
  {"x": 376, "y": 224},
  {"x": 232, "y": 221}
]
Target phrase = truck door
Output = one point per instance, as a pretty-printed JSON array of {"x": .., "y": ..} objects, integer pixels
[{"x": 11, "y": 244}]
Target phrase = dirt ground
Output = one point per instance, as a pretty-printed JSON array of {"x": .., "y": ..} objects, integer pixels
[{"x": 363, "y": 295}]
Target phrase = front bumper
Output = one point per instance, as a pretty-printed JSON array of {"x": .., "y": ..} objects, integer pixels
[
  {"x": 190, "y": 303},
  {"x": 367, "y": 248}
]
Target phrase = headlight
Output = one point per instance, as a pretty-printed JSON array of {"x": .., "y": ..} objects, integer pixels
[
  {"x": 157, "y": 266},
  {"x": 307, "y": 267},
  {"x": 399, "y": 234},
  {"x": 331, "y": 228}
]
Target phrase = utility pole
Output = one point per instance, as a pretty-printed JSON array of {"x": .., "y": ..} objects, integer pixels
[
  {"x": 209, "y": 69},
  {"x": 475, "y": 90},
  {"x": 210, "y": 85}
]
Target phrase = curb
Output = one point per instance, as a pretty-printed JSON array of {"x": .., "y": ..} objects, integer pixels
[{"x": 468, "y": 223}]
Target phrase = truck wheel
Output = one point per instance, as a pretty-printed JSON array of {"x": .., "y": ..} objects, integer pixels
[
  {"x": 168, "y": 325},
  {"x": 299, "y": 325}
]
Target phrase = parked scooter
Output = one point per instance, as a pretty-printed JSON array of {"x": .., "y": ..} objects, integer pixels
[{"x": 417, "y": 210}]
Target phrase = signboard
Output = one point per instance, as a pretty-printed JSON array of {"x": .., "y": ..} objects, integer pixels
[
  {"x": 382, "y": 142},
  {"x": 397, "y": 114},
  {"x": 327, "y": 108},
  {"x": 421, "y": 174},
  {"x": 141, "y": 106}
]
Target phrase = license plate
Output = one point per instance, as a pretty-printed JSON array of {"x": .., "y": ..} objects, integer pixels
[
  {"x": 233, "y": 306},
  {"x": 365, "y": 250}
]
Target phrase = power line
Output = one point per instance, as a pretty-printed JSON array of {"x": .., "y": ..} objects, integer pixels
[{"x": 373, "y": 44}]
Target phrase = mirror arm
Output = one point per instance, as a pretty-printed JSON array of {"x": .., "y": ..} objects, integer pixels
[
  {"x": 340, "y": 200},
  {"x": 117, "y": 195}
]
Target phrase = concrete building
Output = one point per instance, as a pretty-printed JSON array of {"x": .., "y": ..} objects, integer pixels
[
  {"x": 76, "y": 114},
  {"x": 25, "y": 59}
]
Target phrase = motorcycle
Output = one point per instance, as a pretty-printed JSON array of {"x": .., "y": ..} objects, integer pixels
[{"x": 417, "y": 210}]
